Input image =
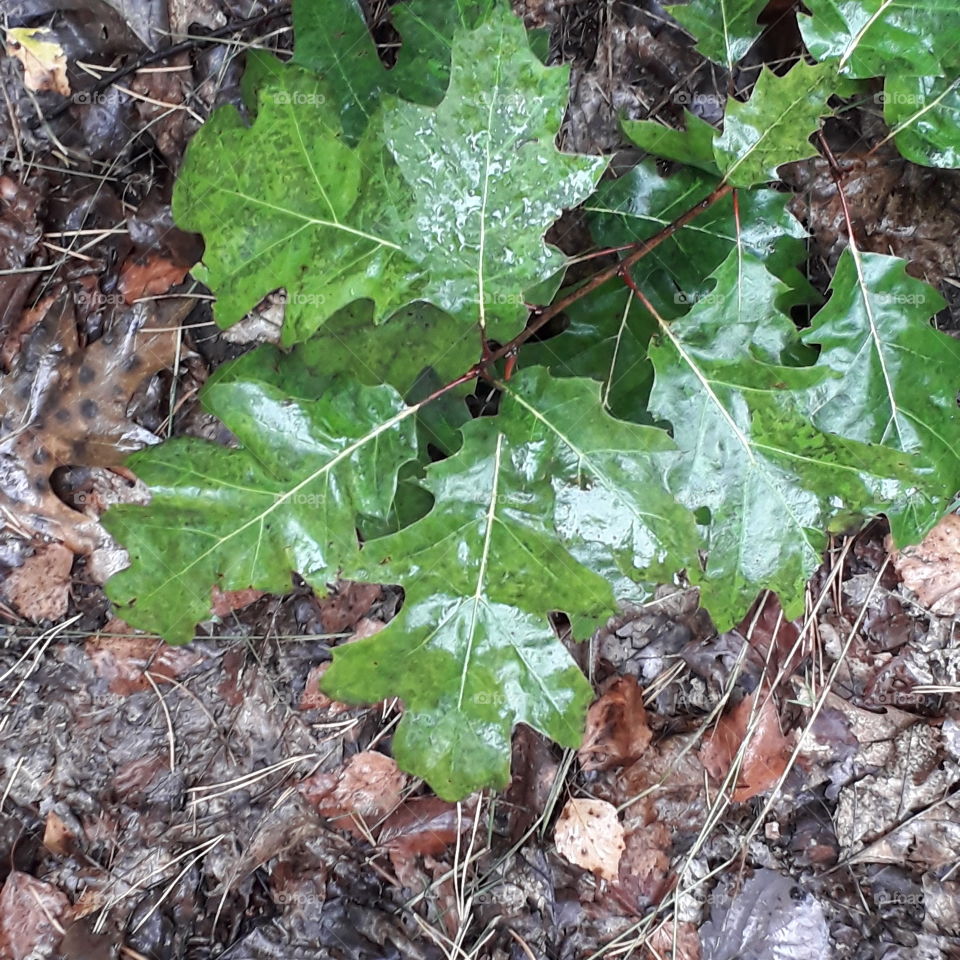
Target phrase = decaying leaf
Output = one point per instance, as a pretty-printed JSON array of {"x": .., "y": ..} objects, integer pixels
[
  {"x": 30, "y": 912},
  {"x": 43, "y": 59},
  {"x": 931, "y": 569},
  {"x": 590, "y": 835},
  {"x": 362, "y": 792},
  {"x": 122, "y": 660},
  {"x": 62, "y": 404},
  {"x": 617, "y": 731},
  {"x": 765, "y": 749},
  {"x": 39, "y": 588}
]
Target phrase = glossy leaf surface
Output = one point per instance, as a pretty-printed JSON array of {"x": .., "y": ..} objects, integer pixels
[
  {"x": 897, "y": 375},
  {"x": 286, "y": 501},
  {"x": 724, "y": 29},
  {"x": 923, "y": 114},
  {"x": 539, "y": 508},
  {"x": 771, "y": 481},
  {"x": 487, "y": 178},
  {"x": 872, "y": 38}
]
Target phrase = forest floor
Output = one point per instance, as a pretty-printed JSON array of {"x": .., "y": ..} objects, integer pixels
[{"x": 207, "y": 801}]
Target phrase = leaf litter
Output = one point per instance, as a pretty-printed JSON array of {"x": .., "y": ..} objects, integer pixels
[{"x": 314, "y": 878}]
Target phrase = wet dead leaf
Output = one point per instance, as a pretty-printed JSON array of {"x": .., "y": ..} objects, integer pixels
[
  {"x": 617, "y": 731},
  {"x": 150, "y": 277},
  {"x": 766, "y": 753},
  {"x": 28, "y": 909},
  {"x": 61, "y": 404},
  {"x": 40, "y": 588},
  {"x": 57, "y": 836},
  {"x": 931, "y": 569},
  {"x": 123, "y": 661},
  {"x": 589, "y": 834},
  {"x": 366, "y": 789},
  {"x": 660, "y": 945},
  {"x": 43, "y": 59},
  {"x": 223, "y": 603}
]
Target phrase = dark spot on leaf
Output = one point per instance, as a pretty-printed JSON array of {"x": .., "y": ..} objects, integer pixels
[
  {"x": 62, "y": 414},
  {"x": 88, "y": 409},
  {"x": 40, "y": 455},
  {"x": 86, "y": 374}
]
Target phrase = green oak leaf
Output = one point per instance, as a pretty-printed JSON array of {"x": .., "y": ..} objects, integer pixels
[
  {"x": 897, "y": 376},
  {"x": 397, "y": 352},
  {"x": 332, "y": 38},
  {"x": 872, "y": 38},
  {"x": 724, "y": 29},
  {"x": 287, "y": 500},
  {"x": 923, "y": 114},
  {"x": 771, "y": 481},
  {"x": 643, "y": 202},
  {"x": 774, "y": 126},
  {"x": 487, "y": 178},
  {"x": 693, "y": 145},
  {"x": 286, "y": 203},
  {"x": 537, "y": 504}
]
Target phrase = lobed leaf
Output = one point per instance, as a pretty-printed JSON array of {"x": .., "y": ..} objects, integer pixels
[
  {"x": 724, "y": 29},
  {"x": 896, "y": 380},
  {"x": 774, "y": 126},
  {"x": 487, "y": 179},
  {"x": 770, "y": 480},
  {"x": 923, "y": 114},
  {"x": 286, "y": 501},
  {"x": 871, "y": 38},
  {"x": 541, "y": 506}
]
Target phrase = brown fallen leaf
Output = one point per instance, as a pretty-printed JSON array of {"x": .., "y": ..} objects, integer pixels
[
  {"x": 149, "y": 277},
  {"x": 29, "y": 912},
  {"x": 123, "y": 660},
  {"x": 224, "y": 603},
  {"x": 589, "y": 834},
  {"x": 617, "y": 731},
  {"x": 660, "y": 944},
  {"x": 644, "y": 872},
  {"x": 362, "y": 792},
  {"x": 766, "y": 753},
  {"x": 57, "y": 836},
  {"x": 43, "y": 59},
  {"x": 931, "y": 569},
  {"x": 63, "y": 405},
  {"x": 40, "y": 587}
]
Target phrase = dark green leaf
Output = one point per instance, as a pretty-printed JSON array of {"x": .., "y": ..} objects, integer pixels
[
  {"x": 923, "y": 114},
  {"x": 724, "y": 29}
]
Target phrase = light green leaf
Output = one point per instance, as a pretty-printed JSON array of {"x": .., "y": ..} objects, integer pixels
[
  {"x": 871, "y": 38},
  {"x": 551, "y": 481},
  {"x": 286, "y": 501},
  {"x": 770, "y": 480},
  {"x": 774, "y": 126},
  {"x": 285, "y": 203},
  {"x": 724, "y": 29},
  {"x": 693, "y": 145},
  {"x": 923, "y": 114},
  {"x": 897, "y": 376},
  {"x": 487, "y": 178}
]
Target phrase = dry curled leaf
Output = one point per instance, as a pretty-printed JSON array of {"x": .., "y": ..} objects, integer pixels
[
  {"x": 589, "y": 834},
  {"x": 617, "y": 731},
  {"x": 765, "y": 754}
]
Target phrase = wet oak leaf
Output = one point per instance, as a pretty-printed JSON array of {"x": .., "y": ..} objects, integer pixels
[
  {"x": 896, "y": 377},
  {"x": 922, "y": 113},
  {"x": 284, "y": 202},
  {"x": 287, "y": 500},
  {"x": 774, "y": 126},
  {"x": 770, "y": 481},
  {"x": 333, "y": 39},
  {"x": 872, "y": 38},
  {"x": 539, "y": 509},
  {"x": 724, "y": 29},
  {"x": 487, "y": 178}
]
